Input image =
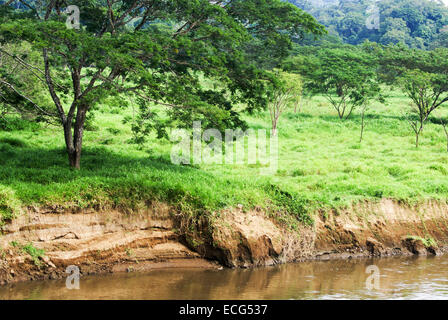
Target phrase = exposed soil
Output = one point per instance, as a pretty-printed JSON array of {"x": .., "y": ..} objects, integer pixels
[
  {"x": 95, "y": 242},
  {"x": 104, "y": 242},
  {"x": 385, "y": 228}
]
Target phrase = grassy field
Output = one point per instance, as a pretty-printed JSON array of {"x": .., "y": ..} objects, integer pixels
[{"x": 321, "y": 165}]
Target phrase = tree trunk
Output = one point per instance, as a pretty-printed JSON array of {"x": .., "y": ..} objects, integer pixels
[
  {"x": 417, "y": 135},
  {"x": 73, "y": 141},
  {"x": 446, "y": 134},
  {"x": 362, "y": 127},
  {"x": 298, "y": 105},
  {"x": 274, "y": 129},
  {"x": 74, "y": 158},
  {"x": 274, "y": 121}
]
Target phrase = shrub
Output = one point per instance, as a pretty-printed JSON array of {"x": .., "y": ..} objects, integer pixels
[
  {"x": 9, "y": 205},
  {"x": 113, "y": 131},
  {"x": 427, "y": 242},
  {"x": 30, "y": 249}
]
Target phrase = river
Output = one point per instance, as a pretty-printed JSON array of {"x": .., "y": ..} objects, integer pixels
[{"x": 398, "y": 278}]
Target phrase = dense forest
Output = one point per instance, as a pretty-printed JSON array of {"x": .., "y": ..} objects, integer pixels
[{"x": 417, "y": 23}]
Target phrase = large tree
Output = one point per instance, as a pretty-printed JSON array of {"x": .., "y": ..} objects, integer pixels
[
  {"x": 346, "y": 76},
  {"x": 423, "y": 75},
  {"x": 157, "y": 50}
]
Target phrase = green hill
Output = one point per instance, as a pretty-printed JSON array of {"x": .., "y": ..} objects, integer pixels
[{"x": 417, "y": 23}]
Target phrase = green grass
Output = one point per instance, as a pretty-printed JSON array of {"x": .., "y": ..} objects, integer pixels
[
  {"x": 31, "y": 250},
  {"x": 321, "y": 165},
  {"x": 427, "y": 242}
]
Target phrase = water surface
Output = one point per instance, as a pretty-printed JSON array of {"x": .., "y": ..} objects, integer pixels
[{"x": 400, "y": 278}]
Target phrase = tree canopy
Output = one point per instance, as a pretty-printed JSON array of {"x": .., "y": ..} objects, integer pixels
[{"x": 347, "y": 76}]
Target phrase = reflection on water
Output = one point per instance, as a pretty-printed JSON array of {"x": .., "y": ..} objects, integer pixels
[{"x": 400, "y": 278}]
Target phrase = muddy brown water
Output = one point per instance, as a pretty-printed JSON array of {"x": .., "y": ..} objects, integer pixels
[{"x": 399, "y": 278}]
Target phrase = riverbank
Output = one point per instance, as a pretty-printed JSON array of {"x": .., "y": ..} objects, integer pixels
[
  {"x": 130, "y": 208},
  {"x": 42, "y": 242}
]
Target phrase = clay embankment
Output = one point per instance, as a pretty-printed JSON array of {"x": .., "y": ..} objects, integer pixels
[
  {"x": 115, "y": 242},
  {"x": 95, "y": 242}
]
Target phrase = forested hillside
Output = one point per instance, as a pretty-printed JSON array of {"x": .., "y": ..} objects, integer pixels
[{"x": 417, "y": 23}]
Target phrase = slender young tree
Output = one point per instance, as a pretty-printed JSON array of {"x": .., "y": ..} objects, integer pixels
[
  {"x": 364, "y": 108},
  {"x": 368, "y": 94},
  {"x": 288, "y": 93},
  {"x": 445, "y": 129},
  {"x": 416, "y": 123}
]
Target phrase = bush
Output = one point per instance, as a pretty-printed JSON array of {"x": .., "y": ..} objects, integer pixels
[
  {"x": 113, "y": 131},
  {"x": 9, "y": 205},
  {"x": 427, "y": 242},
  {"x": 30, "y": 249}
]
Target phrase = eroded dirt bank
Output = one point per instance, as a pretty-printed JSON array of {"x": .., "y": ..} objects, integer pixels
[
  {"x": 95, "y": 242},
  {"x": 116, "y": 242}
]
